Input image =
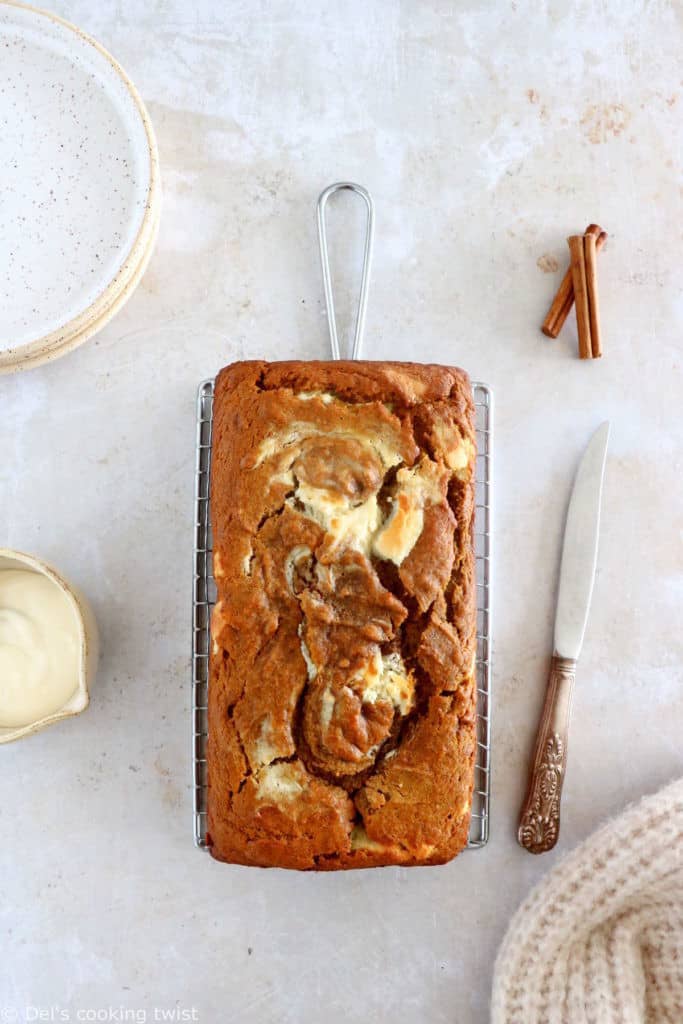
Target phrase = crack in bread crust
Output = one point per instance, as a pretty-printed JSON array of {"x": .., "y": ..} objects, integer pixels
[{"x": 341, "y": 695}]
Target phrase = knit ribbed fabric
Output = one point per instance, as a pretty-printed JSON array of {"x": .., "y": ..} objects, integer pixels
[{"x": 600, "y": 939}]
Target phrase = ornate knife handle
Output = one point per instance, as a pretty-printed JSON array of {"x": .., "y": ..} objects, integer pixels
[{"x": 539, "y": 825}]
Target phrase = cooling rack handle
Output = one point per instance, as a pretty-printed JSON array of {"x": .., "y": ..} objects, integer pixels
[{"x": 325, "y": 261}]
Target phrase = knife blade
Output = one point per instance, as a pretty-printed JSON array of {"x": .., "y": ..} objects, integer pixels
[
  {"x": 580, "y": 548},
  {"x": 539, "y": 825}
]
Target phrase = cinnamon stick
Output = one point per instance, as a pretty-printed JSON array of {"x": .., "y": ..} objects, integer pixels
[
  {"x": 578, "y": 269},
  {"x": 590, "y": 254},
  {"x": 561, "y": 305}
]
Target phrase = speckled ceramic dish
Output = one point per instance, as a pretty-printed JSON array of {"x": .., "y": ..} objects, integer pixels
[
  {"x": 79, "y": 183},
  {"x": 119, "y": 299},
  {"x": 89, "y": 644}
]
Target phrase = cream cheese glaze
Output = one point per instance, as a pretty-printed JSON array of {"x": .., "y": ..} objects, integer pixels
[
  {"x": 350, "y": 520},
  {"x": 386, "y": 678},
  {"x": 39, "y": 648},
  {"x": 417, "y": 487}
]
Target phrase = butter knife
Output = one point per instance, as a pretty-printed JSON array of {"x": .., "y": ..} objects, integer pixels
[{"x": 539, "y": 825}]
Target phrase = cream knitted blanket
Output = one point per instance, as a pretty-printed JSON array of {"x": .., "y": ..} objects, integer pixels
[{"x": 600, "y": 940}]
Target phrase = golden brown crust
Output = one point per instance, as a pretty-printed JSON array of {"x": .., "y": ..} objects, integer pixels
[{"x": 341, "y": 693}]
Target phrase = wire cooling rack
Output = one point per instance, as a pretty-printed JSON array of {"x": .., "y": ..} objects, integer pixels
[
  {"x": 204, "y": 597},
  {"x": 483, "y": 403}
]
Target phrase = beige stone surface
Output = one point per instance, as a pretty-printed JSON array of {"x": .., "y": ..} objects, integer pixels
[{"x": 487, "y": 133}]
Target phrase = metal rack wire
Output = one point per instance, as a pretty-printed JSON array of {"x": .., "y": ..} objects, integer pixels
[
  {"x": 204, "y": 597},
  {"x": 203, "y": 600},
  {"x": 483, "y": 403}
]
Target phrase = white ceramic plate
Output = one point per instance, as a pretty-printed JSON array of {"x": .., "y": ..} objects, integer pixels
[{"x": 79, "y": 194}]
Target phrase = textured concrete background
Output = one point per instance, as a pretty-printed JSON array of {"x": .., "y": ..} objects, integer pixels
[{"x": 487, "y": 133}]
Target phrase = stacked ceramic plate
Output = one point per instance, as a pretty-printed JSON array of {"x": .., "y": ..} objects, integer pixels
[{"x": 79, "y": 187}]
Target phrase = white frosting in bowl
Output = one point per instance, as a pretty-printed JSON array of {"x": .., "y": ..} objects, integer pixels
[{"x": 39, "y": 647}]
